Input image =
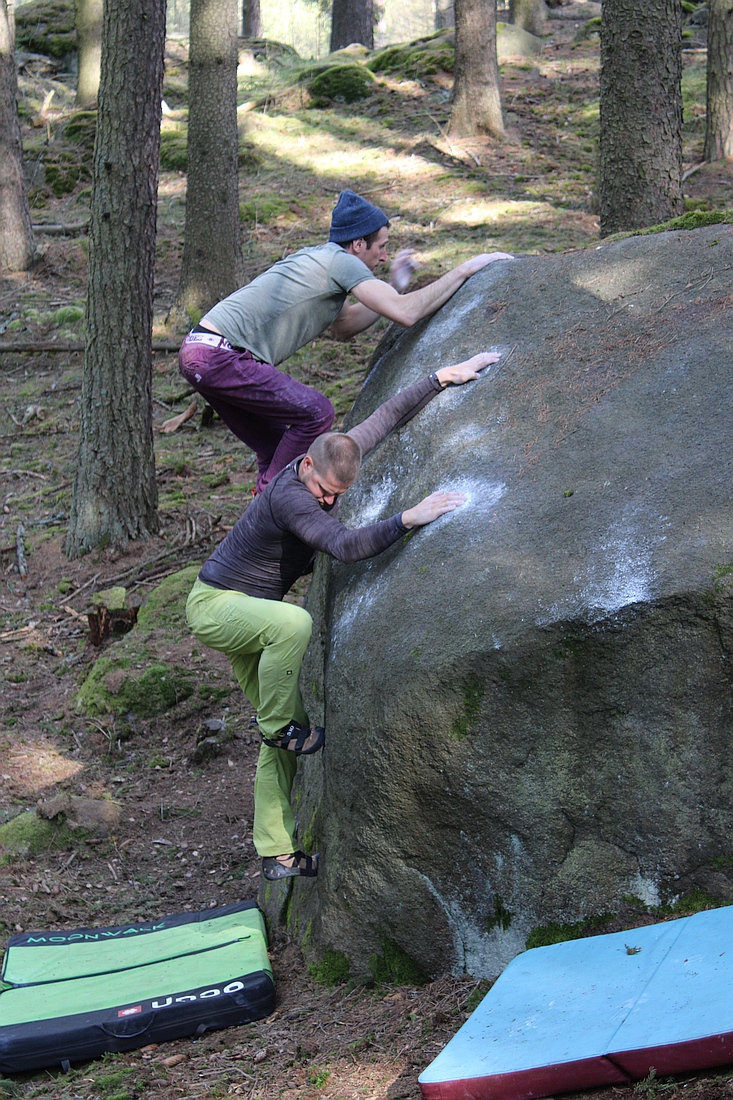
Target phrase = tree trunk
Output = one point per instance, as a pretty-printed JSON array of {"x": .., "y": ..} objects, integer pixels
[
  {"x": 89, "y": 46},
  {"x": 115, "y": 495},
  {"x": 16, "y": 235},
  {"x": 476, "y": 98},
  {"x": 530, "y": 15},
  {"x": 445, "y": 15},
  {"x": 640, "y": 179},
  {"x": 719, "y": 124},
  {"x": 352, "y": 21},
  {"x": 212, "y": 256},
  {"x": 251, "y": 19}
]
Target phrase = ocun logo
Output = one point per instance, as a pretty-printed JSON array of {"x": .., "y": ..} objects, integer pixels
[{"x": 198, "y": 995}]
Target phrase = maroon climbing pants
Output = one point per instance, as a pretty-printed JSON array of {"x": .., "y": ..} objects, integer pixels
[{"x": 277, "y": 417}]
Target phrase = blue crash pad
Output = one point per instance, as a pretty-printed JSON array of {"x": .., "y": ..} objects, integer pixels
[{"x": 597, "y": 1011}]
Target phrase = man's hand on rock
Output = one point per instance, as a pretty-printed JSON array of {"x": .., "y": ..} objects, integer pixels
[
  {"x": 468, "y": 371},
  {"x": 432, "y": 507},
  {"x": 402, "y": 268},
  {"x": 477, "y": 263}
]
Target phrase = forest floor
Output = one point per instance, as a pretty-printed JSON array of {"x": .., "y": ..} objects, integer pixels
[{"x": 184, "y": 839}]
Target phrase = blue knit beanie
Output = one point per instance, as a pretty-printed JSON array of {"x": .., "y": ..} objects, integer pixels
[{"x": 354, "y": 217}]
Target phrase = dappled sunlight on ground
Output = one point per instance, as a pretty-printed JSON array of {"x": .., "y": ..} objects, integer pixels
[
  {"x": 341, "y": 156},
  {"x": 473, "y": 211},
  {"x": 31, "y": 766}
]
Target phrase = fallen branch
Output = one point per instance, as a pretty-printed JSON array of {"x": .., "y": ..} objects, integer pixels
[
  {"x": 13, "y": 635},
  {"x": 29, "y": 473},
  {"x": 58, "y": 230},
  {"x": 76, "y": 345},
  {"x": 73, "y": 595},
  {"x": 691, "y": 171},
  {"x": 41, "y": 118},
  {"x": 175, "y": 422},
  {"x": 20, "y": 550},
  {"x": 253, "y": 104}
]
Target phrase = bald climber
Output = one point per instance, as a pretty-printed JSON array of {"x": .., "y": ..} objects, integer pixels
[{"x": 236, "y": 605}]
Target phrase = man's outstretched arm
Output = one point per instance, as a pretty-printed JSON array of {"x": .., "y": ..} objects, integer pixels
[
  {"x": 375, "y": 298},
  {"x": 408, "y": 402}
]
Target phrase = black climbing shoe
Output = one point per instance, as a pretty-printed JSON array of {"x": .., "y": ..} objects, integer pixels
[
  {"x": 297, "y": 738},
  {"x": 299, "y": 864}
]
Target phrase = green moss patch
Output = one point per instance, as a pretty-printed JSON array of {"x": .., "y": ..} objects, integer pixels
[
  {"x": 473, "y": 693},
  {"x": 500, "y": 918},
  {"x": 477, "y": 995},
  {"x": 63, "y": 172},
  {"x": 166, "y": 605},
  {"x": 46, "y": 26},
  {"x": 333, "y": 969},
  {"x": 546, "y": 934},
  {"x": 69, "y": 315},
  {"x": 262, "y": 211},
  {"x": 112, "y": 598},
  {"x": 174, "y": 150},
  {"x": 347, "y": 83},
  {"x": 423, "y": 57},
  {"x": 27, "y": 835},
  {"x": 395, "y": 967},
  {"x": 82, "y": 129},
  {"x": 113, "y": 687},
  {"x": 133, "y": 675},
  {"x": 693, "y": 219}
]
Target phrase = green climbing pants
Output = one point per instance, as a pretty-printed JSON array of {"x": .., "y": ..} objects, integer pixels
[{"x": 265, "y": 640}]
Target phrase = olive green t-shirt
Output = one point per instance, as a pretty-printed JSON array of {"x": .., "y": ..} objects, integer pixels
[{"x": 289, "y": 304}]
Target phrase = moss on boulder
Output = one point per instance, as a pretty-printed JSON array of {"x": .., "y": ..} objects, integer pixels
[
  {"x": 112, "y": 598},
  {"x": 333, "y": 969},
  {"x": 27, "y": 834},
  {"x": 133, "y": 676},
  {"x": 81, "y": 129},
  {"x": 393, "y": 966},
  {"x": 691, "y": 219},
  {"x": 46, "y": 26},
  {"x": 174, "y": 148},
  {"x": 165, "y": 607},
  {"x": 62, "y": 171},
  {"x": 115, "y": 686},
  {"x": 423, "y": 57},
  {"x": 342, "y": 82}
]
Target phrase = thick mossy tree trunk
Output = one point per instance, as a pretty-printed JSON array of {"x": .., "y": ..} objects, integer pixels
[
  {"x": 719, "y": 123},
  {"x": 16, "y": 234},
  {"x": 212, "y": 255},
  {"x": 476, "y": 98},
  {"x": 640, "y": 178},
  {"x": 530, "y": 15},
  {"x": 352, "y": 21},
  {"x": 89, "y": 15},
  {"x": 115, "y": 496},
  {"x": 251, "y": 19}
]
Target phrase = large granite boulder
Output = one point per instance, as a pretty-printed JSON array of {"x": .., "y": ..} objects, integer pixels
[{"x": 528, "y": 702}]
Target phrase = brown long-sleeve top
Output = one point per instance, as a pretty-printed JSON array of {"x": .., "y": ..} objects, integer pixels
[{"x": 276, "y": 539}]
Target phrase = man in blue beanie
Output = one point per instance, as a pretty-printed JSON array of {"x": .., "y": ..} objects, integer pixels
[{"x": 231, "y": 356}]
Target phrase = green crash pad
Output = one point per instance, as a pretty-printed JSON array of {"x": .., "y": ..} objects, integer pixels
[{"x": 70, "y": 995}]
